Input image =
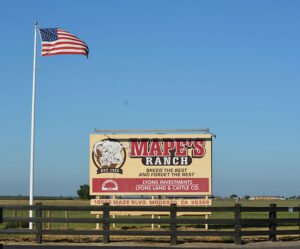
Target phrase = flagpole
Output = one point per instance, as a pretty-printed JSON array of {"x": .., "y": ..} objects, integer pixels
[{"x": 32, "y": 129}]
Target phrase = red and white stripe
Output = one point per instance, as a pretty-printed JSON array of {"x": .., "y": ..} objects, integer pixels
[{"x": 66, "y": 44}]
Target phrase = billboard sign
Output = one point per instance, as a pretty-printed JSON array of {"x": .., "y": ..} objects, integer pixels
[{"x": 150, "y": 164}]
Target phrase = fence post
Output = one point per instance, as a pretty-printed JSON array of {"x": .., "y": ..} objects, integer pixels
[
  {"x": 105, "y": 223},
  {"x": 49, "y": 216},
  {"x": 1, "y": 220},
  {"x": 299, "y": 221},
  {"x": 173, "y": 218},
  {"x": 272, "y": 224},
  {"x": 237, "y": 224},
  {"x": 67, "y": 217},
  {"x": 38, "y": 214},
  {"x": 44, "y": 216},
  {"x": 1, "y": 214},
  {"x": 21, "y": 215}
]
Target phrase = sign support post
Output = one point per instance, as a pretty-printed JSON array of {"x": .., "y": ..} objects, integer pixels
[
  {"x": 152, "y": 216},
  {"x": 97, "y": 215},
  {"x": 206, "y": 216}
]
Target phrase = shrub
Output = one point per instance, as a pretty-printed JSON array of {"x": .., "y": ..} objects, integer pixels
[{"x": 16, "y": 225}]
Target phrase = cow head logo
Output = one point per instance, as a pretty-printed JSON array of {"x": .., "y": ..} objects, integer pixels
[{"x": 109, "y": 156}]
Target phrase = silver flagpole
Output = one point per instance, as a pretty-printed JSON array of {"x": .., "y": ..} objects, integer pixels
[{"x": 32, "y": 129}]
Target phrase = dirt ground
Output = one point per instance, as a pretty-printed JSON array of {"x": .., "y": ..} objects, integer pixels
[
  {"x": 266, "y": 244},
  {"x": 283, "y": 242}
]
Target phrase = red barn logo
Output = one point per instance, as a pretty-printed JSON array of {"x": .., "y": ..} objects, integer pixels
[{"x": 110, "y": 185}]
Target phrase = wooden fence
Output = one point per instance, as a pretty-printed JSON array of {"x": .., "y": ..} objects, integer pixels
[{"x": 237, "y": 224}]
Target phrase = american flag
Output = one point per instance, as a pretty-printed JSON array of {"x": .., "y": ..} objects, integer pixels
[{"x": 58, "y": 41}]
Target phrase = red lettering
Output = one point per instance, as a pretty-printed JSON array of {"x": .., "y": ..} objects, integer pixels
[
  {"x": 138, "y": 149},
  {"x": 180, "y": 148},
  {"x": 155, "y": 149},
  {"x": 168, "y": 145},
  {"x": 199, "y": 150}
]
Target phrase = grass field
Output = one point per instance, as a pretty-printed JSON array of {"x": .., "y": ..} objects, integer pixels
[
  {"x": 81, "y": 214},
  {"x": 216, "y": 203},
  {"x": 75, "y": 214}
]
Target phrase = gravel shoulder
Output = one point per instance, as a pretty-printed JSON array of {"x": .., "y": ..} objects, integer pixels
[{"x": 141, "y": 244}]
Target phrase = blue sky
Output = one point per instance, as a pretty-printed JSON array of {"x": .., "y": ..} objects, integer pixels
[{"x": 231, "y": 66}]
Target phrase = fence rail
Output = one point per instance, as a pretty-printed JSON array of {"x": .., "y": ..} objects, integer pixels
[{"x": 237, "y": 223}]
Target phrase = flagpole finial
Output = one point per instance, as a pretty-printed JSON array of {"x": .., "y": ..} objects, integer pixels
[{"x": 35, "y": 23}]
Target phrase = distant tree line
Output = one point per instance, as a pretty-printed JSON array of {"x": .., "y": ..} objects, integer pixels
[
  {"x": 84, "y": 193},
  {"x": 23, "y": 197}
]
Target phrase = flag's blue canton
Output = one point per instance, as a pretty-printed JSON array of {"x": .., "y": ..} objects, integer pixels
[{"x": 49, "y": 34}]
